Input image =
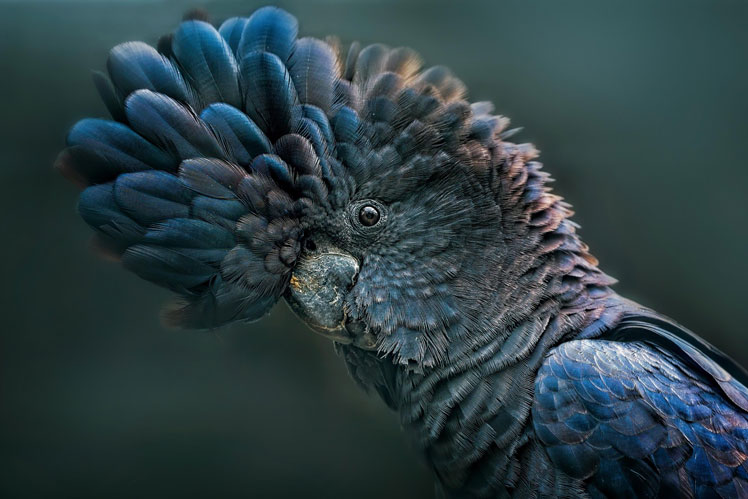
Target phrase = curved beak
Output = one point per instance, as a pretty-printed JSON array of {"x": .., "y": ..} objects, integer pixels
[{"x": 317, "y": 291}]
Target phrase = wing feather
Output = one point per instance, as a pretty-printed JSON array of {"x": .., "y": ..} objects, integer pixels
[{"x": 630, "y": 418}]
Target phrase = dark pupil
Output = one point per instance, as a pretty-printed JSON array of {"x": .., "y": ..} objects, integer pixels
[{"x": 368, "y": 216}]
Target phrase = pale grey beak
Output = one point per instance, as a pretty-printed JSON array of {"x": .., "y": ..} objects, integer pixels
[{"x": 317, "y": 291}]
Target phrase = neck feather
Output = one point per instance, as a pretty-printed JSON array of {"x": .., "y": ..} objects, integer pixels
[{"x": 542, "y": 287}]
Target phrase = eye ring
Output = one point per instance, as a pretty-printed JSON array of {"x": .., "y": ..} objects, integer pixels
[{"x": 368, "y": 215}]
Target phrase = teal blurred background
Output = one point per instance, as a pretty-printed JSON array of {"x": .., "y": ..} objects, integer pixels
[{"x": 639, "y": 108}]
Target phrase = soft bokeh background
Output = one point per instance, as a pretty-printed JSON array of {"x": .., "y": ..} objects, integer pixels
[{"x": 640, "y": 110}]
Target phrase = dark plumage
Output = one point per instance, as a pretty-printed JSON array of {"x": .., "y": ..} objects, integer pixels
[{"x": 245, "y": 164}]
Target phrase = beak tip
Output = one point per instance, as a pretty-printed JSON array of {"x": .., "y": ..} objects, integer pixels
[{"x": 318, "y": 287}]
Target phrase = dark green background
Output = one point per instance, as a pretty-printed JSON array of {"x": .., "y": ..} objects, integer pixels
[{"x": 640, "y": 110}]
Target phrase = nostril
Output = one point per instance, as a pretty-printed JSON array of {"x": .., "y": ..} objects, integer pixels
[{"x": 309, "y": 245}]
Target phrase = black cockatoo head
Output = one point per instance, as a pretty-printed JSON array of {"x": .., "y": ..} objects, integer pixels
[{"x": 244, "y": 165}]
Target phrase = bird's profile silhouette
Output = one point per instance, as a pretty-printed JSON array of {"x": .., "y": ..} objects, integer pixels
[{"x": 244, "y": 164}]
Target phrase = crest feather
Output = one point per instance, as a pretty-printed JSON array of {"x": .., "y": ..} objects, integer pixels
[{"x": 224, "y": 141}]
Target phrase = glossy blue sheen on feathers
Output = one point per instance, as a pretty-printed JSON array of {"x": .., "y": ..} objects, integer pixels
[{"x": 477, "y": 313}]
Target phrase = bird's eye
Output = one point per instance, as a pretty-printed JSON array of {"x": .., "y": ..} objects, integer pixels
[{"x": 368, "y": 215}]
